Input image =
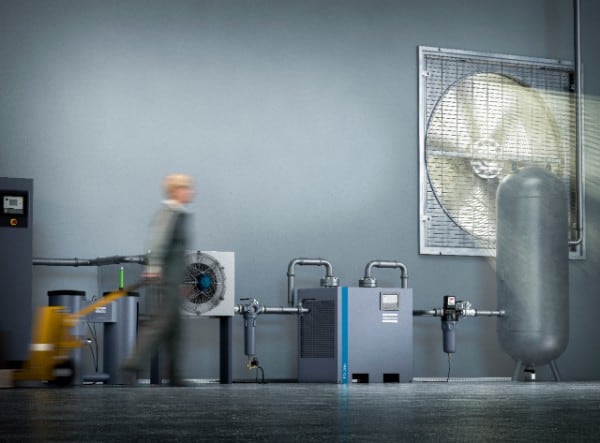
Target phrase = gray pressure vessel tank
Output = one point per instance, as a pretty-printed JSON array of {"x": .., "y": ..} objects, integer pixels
[{"x": 532, "y": 266}]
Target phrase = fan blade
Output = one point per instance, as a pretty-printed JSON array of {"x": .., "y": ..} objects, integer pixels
[{"x": 483, "y": 127}]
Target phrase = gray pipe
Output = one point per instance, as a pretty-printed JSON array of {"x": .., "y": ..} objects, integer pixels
[
  {"x": 60, "y": 262},
  {"x": 428, "y": 312},
  {"x": 241, "y": 309},
  {"x": 578, "y": 123},
  {"x": 328, "y": 282},
  {"x": 369, "y": 282},
  {"x": 466, "y": 313},
  {"x": 479, "y": 313},
  {"x": 99, "y": 261},
  {"x": 284, "y": 310}
]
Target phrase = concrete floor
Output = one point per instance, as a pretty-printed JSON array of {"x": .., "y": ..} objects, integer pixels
[{"x": 282, "y": 412}]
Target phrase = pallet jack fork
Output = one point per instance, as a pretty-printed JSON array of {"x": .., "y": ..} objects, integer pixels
[{"x": 50, "y": 352}]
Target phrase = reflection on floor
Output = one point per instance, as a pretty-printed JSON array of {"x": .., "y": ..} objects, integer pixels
[{"x": 282, "y": 412}]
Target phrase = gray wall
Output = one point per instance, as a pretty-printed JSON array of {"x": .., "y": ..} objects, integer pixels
[{"x": 299, "y": 121}]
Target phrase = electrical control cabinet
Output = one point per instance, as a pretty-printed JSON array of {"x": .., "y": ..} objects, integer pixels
[
  {"x": 355, "y": 335},
  {"x": 16, "y": 226}
]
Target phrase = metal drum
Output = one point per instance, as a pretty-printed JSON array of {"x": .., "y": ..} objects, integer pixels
[
  {"x": 532, "y": 268},
  {"x": 73, "y": 301}
]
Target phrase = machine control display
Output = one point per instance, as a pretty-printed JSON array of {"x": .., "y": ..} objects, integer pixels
[
  {"x": 13, "y": 204},
  {"x": 389, "y": 301},
  {"x": 15, "y": 210}
]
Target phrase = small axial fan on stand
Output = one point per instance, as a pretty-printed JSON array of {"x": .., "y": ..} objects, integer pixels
[{"x": 209, "y": 284}]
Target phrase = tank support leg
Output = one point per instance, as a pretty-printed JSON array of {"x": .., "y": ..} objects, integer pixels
[
  {"x": 517, "y": 370},
  {"x": 554, "y": 370}
]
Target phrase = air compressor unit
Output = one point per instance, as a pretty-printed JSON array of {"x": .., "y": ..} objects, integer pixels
[
  {"x": 16, "y": 239},
  {"x": 355, "y": 335}
]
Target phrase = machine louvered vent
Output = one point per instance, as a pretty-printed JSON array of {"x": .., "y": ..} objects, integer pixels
[
  {"x": 482, "y": 118},
  {"x": 317, "y": 329}
]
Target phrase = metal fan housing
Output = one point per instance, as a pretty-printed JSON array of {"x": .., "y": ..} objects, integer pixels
[
  {"x": 209, "y": 284},
  {"x": 482, "y": 118}
]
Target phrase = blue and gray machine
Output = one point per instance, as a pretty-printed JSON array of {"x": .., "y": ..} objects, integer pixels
[{"x": 356, "y": 334}]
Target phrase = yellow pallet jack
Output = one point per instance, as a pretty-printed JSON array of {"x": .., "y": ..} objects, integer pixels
[{"x": 52, "y": 342}]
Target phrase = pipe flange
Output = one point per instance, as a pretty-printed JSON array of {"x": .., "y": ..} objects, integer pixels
[
  {"x": 367, "y": 282},
  {"x": 330, "y": 282}
]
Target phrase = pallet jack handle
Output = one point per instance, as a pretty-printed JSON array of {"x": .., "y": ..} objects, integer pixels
[{"x": 107, "y": 299}]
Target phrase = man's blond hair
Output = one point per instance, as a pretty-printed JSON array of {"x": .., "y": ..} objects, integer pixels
[{"x": 174, "y": 181}]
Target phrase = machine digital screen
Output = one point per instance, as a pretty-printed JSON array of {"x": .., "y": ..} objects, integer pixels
[
  {"x": 13, "y": 204},
  {"x": 389, "y": 301}
]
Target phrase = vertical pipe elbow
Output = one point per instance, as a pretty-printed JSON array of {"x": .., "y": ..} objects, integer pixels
[
  {"x": 368, "y": 278},
  {"x": 329, "y": 277}
]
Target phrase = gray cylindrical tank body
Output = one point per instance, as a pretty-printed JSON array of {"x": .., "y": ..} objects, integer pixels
[
  {"x": 532, "y": 266},
  {"x": 73, "y": 302},
  {"x": 120, "y": 336}
]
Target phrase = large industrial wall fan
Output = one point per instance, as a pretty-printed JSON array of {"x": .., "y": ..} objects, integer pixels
[
  {"x": 483, "y": 117},
  {"x": 209, "y": 284}
]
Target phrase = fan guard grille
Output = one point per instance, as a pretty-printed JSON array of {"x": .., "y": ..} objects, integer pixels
[
  {"x": 204, "y": 283},
  {"x": 482, "y": 117}
]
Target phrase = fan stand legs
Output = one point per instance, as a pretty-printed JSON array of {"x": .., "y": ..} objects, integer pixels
[
  {"x": 225, "y": 339},
  {"x": 225, "y": 358}
]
